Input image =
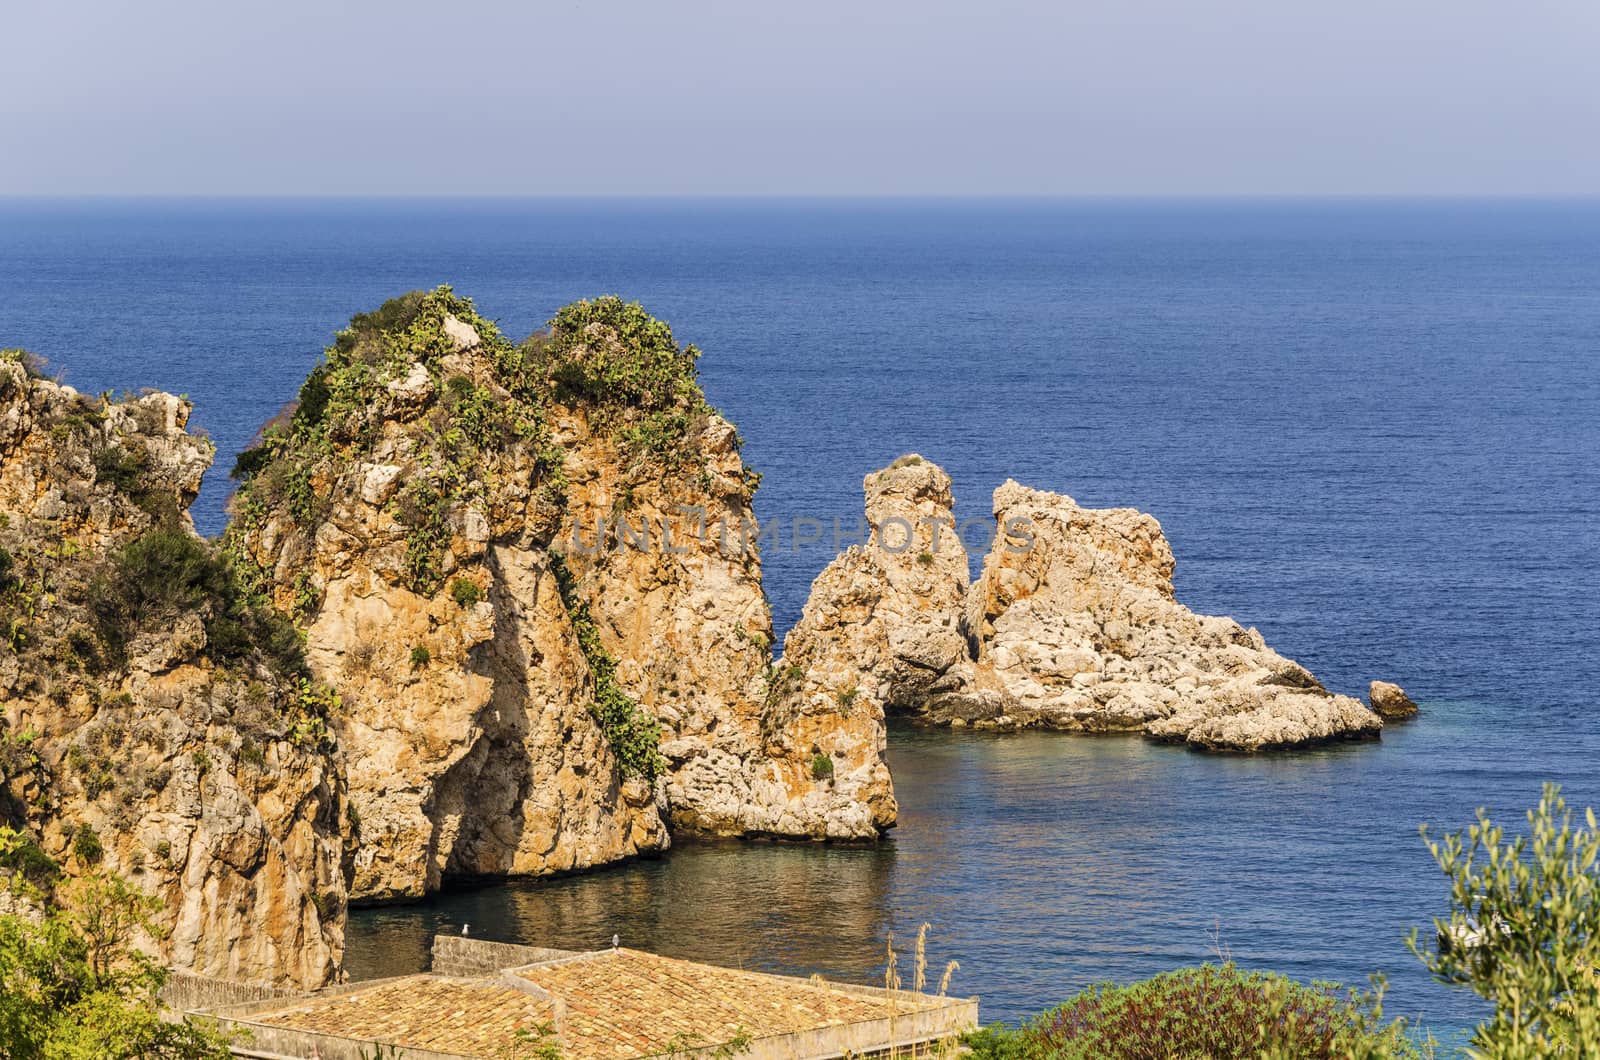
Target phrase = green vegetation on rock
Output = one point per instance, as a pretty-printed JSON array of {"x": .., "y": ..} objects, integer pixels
[
  {"x": 166, "y": 573},
  {"x": 128, "y": 586},
  {"x": 339, "y": 417},
  {"x": 615, "y": 355},
  {"x": 634, "y": 736},
  {"x": 609, "y": 358}
]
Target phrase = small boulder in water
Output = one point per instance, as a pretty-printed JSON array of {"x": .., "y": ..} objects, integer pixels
[{"x": 1390, "y": 701}]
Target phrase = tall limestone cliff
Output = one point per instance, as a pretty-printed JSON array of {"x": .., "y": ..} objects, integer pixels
[
  {"x": 152, "y": 722},
  {"x": 522, "y": 568},
  {"x": 1073, "y": 625}
]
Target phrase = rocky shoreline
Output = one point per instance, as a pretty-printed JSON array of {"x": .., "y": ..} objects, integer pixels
[{"x": 402, "y": 664}]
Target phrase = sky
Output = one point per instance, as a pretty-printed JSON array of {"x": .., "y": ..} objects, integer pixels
[{"x": 801, "y": 97}]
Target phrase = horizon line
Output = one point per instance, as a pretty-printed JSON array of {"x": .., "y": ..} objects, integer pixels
[{"x": 758, "y": 197}]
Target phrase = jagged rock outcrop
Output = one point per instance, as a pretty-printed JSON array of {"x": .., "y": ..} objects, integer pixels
[
  {"x": 1072, "y": 625},
  {"x": 1075, "y": 614},
  {"x": 152, "y": 723},
  {"x": 524, "y": 568},
  {"x": 1390, "y": 700},
  {"x": 880, "y": 631}
]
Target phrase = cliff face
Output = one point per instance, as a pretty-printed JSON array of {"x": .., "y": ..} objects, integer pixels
[
  {"x": 1073, "y": 625},
  {"x": 520, "y": 565},
  {"x": 152, "y": 722}
]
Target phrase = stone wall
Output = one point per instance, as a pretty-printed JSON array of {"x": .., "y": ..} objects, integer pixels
[
  {"x": 186, "y": 992},
  {"x": 470, "y": 958}
]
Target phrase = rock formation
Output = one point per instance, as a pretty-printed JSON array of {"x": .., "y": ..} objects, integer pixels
[
  {"x": 1072, "y": 625},
  {"x": 522, "y": 566},
  {"x": 1390, "y": 700},
  {"x": 491, "y": 609},
  {"x": 880, "y": 629},
  {"x": 152, "y": 723}
]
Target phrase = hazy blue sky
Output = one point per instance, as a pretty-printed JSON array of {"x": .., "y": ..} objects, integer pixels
[{"x": 802, "y": 97}]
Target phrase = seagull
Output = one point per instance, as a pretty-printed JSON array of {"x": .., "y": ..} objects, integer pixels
[
  {"x": 616, "y": 940},
  {"x": 464, "y": 928}
]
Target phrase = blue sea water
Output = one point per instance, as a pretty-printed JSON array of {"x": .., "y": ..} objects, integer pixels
[{"x": 1371, "y": 429}]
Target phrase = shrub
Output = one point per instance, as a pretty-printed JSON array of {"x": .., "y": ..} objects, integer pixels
[
  {"x": 613, "y": 353},
  {"x": 821, "y": 767},
  {"x": 167, "y": 571},
  {"x": 1524, "y": 929},
  {"x": 250, "y": 461},
  {"x": 363, "y": 339},
  {"x": 124, "y": 470},
  {"x": 661, "y": 437},
  {"x": 76, "y": 987},
  {"x": 465, "y": 592},
  {"x": 420, "y": 656},
  {"x": 22, "y": 856},
  {"x": 86, "y": 845},
  {"x": 311, "y": 407},
  {"x": 1221, "y": 1012},
  {"x": 33, "y": 364}
]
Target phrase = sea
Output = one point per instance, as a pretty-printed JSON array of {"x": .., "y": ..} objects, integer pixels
[{"x": 1370, "y": 429}]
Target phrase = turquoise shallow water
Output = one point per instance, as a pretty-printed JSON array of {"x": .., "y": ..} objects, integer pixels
[{"x": 1370, "y": 429}]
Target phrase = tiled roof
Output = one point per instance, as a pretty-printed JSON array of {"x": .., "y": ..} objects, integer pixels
[
  {"x": 614, "y": 1005},
  {"x": 625, "y": 1004},
  {"x": 472, "y": 1018}
]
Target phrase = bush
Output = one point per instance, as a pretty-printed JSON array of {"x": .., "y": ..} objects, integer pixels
[
  {"x": 86, "y": 846},
  {"x": 312, "y": 405},
  {"x": 251, "y": 461},
  {"x": 22, "y": 856},
  {"x": 613, "y": 353},
  {"x": 32, "y": 363},
  {"x": 363, "y": 339},
  {"x": 822, "y": 767},
  {"x": 1220, "y": 1012},
  {"x": 75, "y": 987},
  {"x": 163, "y": 572},
  {"x": 465, "y": 592},
  {"x": 420, "y": 656},
  {"x": 1524, "y": 930},
  {"x": 167, "y": 571}
]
